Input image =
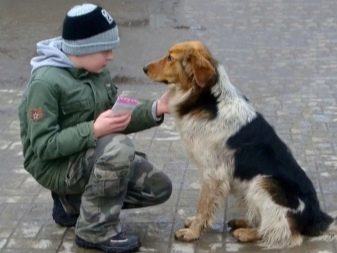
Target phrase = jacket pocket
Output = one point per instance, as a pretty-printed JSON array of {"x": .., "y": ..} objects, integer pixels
[
  {"x": 76, "y": 106},
  {"x": 76, "y": 112}
]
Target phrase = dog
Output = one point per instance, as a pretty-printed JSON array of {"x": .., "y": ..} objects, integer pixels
[{"x": 236, "y": 152}]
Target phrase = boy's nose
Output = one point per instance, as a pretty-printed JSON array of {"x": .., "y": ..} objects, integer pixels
[{"x": 109, "y": 55}]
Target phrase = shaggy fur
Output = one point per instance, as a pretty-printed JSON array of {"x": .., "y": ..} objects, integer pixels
[{"x": 238, "y": 152}]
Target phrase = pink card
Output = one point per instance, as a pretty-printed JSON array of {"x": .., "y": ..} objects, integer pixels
[{"x": 124, "y": 105}]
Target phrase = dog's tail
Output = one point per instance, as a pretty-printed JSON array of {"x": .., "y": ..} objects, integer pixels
[{"x": 330, "y": 234}]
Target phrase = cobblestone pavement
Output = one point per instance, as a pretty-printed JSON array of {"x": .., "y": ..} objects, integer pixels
[{"x": 282, "y": 54}]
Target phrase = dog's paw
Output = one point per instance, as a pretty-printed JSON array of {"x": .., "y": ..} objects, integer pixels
[
  {"x": 186, "y": 234},
  {"x": 237, "y": 223},
  {"x": 246, "y": 235},
  {"x": 188, "y": 221}
]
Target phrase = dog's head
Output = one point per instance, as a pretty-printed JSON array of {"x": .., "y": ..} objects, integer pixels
[{"x": 186, "y": 65}]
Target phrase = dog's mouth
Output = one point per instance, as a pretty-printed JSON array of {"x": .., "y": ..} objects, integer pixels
[
  {"x": 162, "y": 81},
  {"x": 146, "y": 71}
]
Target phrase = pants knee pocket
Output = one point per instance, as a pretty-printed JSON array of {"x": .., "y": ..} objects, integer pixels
[
  {"x": 110, "y": 183},
  {"x": 114, "y": 154}
]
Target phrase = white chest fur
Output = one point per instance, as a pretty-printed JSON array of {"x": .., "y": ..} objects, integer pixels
[{"x": 205, "y": 139}]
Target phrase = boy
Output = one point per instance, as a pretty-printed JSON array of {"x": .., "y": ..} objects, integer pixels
[{"x": 74, "y": 145}]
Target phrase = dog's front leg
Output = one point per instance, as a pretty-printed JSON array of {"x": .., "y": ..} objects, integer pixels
[{"x": 211, "y": 191}]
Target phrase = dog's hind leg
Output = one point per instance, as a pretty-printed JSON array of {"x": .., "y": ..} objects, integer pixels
[
  {"x": 278, "y": 225},
  {"x": 210, "y": 193}
]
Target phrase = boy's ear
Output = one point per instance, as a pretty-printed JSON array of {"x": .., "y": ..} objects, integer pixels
[{"x": 203, "y": 70}]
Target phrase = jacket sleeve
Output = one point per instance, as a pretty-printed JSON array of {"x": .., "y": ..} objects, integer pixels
[
  {"x": 48, "y": 140},
  {"x": 142, "y": 118}
]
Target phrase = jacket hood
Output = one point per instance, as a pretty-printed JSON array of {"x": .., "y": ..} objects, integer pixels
[{"x": 49, "y": 53}]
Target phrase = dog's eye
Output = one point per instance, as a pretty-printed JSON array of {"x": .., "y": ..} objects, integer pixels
[{"x": 169, "y": 58}]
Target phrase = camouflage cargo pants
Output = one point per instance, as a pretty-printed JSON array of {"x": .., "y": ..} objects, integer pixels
[{"x": 102, "y": 181}]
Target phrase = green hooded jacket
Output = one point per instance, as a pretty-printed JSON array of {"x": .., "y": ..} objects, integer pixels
[{"x": 56, "y": 115}]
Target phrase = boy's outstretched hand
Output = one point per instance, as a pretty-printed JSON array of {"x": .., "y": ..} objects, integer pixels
[{"x": 162, "y": 104}]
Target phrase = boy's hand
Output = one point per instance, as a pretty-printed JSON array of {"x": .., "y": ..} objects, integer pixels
[
  {"x": 107, "y": 123},
  {"x": 162, "y": 104}
]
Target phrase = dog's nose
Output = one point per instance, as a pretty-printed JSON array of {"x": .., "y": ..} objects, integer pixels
[{"x": 145, "y": 69}]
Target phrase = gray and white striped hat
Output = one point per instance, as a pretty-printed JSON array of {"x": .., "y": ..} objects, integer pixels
[{"x": 87, "y": 29}]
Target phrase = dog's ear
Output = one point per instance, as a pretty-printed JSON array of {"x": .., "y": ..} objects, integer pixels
[{"x": 203, "y": 70}]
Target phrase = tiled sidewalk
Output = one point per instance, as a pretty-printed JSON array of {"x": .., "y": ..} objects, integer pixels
[{"x": 25, "y": 208}]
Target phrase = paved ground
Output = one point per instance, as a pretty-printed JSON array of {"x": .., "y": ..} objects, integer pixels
[{"x": 282, "y": 54}]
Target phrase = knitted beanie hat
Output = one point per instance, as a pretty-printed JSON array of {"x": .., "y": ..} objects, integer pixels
[{"x": 88, "y": 28}]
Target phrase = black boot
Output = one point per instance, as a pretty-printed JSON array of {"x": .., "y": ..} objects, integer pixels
[
  {"x": 59, "y": 214},
  {"x": 120, "y": 243}
]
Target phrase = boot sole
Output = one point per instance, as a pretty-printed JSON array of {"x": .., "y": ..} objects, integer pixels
[{"x": 88, "y": 245}]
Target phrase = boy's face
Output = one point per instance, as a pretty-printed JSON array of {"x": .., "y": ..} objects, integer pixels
[{"x": 95, "y": 62}]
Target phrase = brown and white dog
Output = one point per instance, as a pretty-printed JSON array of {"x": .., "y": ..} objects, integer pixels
[{"x": 237, "y": 151}]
